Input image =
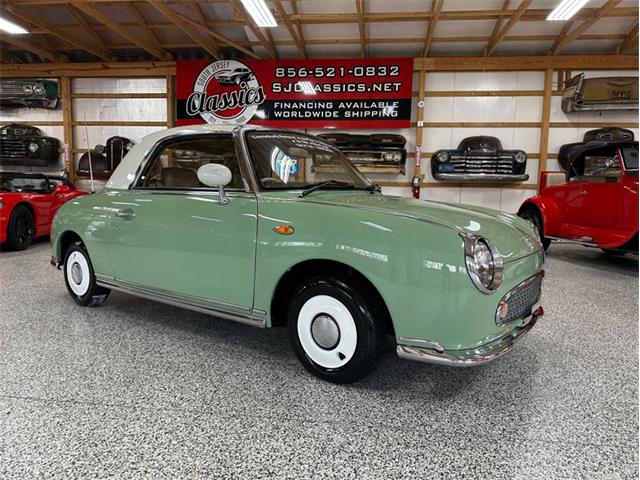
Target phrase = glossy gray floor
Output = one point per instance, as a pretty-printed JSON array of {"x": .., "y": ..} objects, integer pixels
[{"x": 136, "y": 389}]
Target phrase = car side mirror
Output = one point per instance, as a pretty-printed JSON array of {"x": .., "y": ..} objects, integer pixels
[
  {"x": 215, "y": 175},
  {"x": 61, "y": 189}
]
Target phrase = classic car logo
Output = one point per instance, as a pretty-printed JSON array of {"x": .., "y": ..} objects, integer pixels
[
  {"x": 225, "y": 92},
  {"x": 621, "y": 94}
]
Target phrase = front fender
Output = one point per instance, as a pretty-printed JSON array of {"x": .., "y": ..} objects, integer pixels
[{"x": 549, "y": 212}]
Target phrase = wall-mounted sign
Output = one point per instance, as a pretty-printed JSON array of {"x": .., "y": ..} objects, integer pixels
[{"x": 350, "y": 93}]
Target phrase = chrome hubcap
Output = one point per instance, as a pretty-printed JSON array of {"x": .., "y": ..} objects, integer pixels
[
  {"x": 325, "y": 331},
  {"x": 76, "y": 273}
]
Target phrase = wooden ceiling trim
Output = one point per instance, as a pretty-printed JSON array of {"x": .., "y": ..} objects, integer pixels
[
  {"x": 630, "y": 40},
  {"x": 436, "y": 9},
  {"x": 291, "y": 29},
  {"x": 97, "y": 15},
  {"x": 202, "y": 19},
  {"x": 21, "y": 43},
  {"x": 186, "y": 28},
  {"x": 493, "y": 44},
  {"x": 584, "y": 26},
  {"x": 142, "y": 23},
  {"x": 498, "y": 24},
  {"x": 82, "y": 21},
  {"x": 361, "y": 28},
  {"x": 294, "y": 9}
]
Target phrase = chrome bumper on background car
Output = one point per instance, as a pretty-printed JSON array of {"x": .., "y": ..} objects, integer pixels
[
  {"x": 481, "y": 177},
  {"x": 471, "y": 357}
]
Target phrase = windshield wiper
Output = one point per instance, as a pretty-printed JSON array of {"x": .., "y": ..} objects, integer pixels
[{"x": 329, "y": 183}]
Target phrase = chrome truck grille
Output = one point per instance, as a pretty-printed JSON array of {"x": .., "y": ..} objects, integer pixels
[
  {"x": 520, "y": 300},
  {"x": 12, "y": 148},
  {"x": 11, "y": 89},
  {"x": 486, "y": 164}
]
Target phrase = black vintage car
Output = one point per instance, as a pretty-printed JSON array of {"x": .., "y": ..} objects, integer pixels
[
  {"x": 22, "y": 144},
  {"x": 375, "y": 153},
  {"x": 608, "y": 134},
  {"x": 28, "y": 92},
  {"x": 479, "y": 159},
  {"x": 104, "y": 159}
]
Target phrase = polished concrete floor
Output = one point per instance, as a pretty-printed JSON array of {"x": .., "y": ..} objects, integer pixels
[{"x": 136, "y": 389}]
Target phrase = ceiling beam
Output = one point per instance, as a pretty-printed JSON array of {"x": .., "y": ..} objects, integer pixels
[
  {"x": 144, "y": 44},
  {"x": 89, "y": 30},
  {"x": 20, "y": 42},
  {"x": 292, "y": 31},
  {"x": 294, "y": 9},
  {"x": 630, "y": 40},
  {"x": 220, "y": 38},
  {"x": 202, "y": 19},
  {"x": 254, "y": 28},
  {"x": 436, "y": 9},
  {"x": 186, "y": 28},
  {"x": 569, "y": 37},
  {"x": 493, "y": 44},
  {"x": 563, "y": 33},
  {"x": 361, "y": 28},
  {"x": 60, "y": 32},
  {"x": 498, "y": 24},
  {"x": 142, "y": 23}
]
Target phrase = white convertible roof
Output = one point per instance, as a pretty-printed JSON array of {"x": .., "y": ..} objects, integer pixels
[{"x": 124, "y": 174}]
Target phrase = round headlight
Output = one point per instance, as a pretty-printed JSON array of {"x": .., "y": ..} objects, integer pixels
[
  {"x": 443, "y": 157},
  {"x": 520, "y": 157},
  {"x": 38, "y": 90},
  {"x": 33, "y": 147},
  {"x": 388, "y": 156},
  {"x": 484, "y": 263},
  {"x": 27, "y": 89}
]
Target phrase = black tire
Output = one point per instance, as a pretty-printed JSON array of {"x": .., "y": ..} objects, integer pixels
[
  {"x": 365, "y": 316},
  {"x": 612, "y": 252},
  {"x": 20, "y": 229},
  {"x": 90, "y": 295},
  {"x": 534, "y": 217}
]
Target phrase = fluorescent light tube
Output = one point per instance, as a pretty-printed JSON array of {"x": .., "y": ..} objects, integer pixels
[
  {"x": 566, "y": 9},
  {"x": 260, "y": 13},
  {"x": 10, "y": 27}
]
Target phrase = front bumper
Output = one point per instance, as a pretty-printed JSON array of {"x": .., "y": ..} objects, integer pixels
[
  {"x": 481, "y": 177},
  {"x": 472, "y": 357}
]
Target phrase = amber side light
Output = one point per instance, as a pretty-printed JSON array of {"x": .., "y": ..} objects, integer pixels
[{"x": 284, "y": 229}]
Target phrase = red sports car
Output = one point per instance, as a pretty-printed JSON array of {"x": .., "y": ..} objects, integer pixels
[
  {"x": 28, "y": 202},
  {"x": 595, "y": 200}
]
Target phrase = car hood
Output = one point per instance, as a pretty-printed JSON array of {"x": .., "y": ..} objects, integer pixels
[{"x": 511, "y": 235}]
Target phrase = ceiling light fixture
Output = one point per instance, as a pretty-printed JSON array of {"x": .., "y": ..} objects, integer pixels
[
  {"x": 10, "y": 27},
  {"x": 260, "y": 13},
  {"x": 566, "y": 9}
]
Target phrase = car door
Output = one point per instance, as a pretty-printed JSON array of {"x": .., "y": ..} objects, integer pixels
[
  {"x": 171, "y": 234},
  {"x": 595, "y": 202}
]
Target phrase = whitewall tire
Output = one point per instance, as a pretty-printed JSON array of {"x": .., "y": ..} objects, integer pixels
[
  {"x": 80, "y": 278},
  {"x": 334, "y": 331}
]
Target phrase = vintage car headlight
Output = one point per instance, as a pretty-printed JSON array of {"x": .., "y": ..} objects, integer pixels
[
  {"x": 443, "y": 157},
  {"x": 27, "y": 89},
  {"x": 38, "y": 90},
  {"x": 484, "y": 263},
  {"x": 33, "y": 147},
  {"x": 392, "y": 156},
  {"x": 520, "y": 157}
]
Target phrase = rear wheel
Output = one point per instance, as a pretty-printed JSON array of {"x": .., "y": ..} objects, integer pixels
[
  {"x": 335, "y": 330},
  {"x": 534, "y": 218},
  {"x": 20, "y": 229},
  {"x": 80, "y": 278}
]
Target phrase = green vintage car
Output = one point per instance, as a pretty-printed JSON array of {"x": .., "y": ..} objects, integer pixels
[{"x": 250, "y": 231}]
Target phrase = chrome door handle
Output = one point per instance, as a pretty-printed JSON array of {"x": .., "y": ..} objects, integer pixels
[
  {"x": 583, "y": 193},
  {"x": 126, "y": 214}
]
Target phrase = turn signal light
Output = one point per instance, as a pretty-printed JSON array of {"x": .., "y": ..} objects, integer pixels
[{"x": 284, "y": 229}]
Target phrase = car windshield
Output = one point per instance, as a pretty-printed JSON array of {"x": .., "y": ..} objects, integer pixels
[
  {"x": 11, "y": 183},
  {"x": 630, "y": 157},
  {"x": 290, "y": 161}
]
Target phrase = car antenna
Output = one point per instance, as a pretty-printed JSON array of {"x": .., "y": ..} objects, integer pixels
[{"x": 86, "y": 132}]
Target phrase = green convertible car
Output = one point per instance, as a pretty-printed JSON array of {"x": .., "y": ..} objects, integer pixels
[{"x": 248, "y": 230}]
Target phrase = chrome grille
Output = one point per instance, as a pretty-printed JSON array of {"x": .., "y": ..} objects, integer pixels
[
  {"x": 12, "y": 148},
  {"x": 521, "y": 299},
  {"x": 486, "y": 164},
  {"x": 11, "y": 89},
  {"x": 365, "y": 156}
]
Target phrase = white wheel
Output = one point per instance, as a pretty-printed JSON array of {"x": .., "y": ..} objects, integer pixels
[
  {"x": 78, "y": 273},
  {"x": 327, "y": 331}
]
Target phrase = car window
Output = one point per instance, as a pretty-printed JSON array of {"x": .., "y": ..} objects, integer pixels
[
  {"x": 176, "y": 165},
  {"x": 603, "y": 164},
  {"x": 23, "y": 184}
]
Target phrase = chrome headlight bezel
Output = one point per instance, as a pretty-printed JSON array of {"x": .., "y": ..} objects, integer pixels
[
  {"x": 473, "y": 245},
  {"x": 33, "y": 147},
  {"x": 520, "y": 157},
  {"x": 39, "y": 90},
  {"x": 443, "y": 157},
  {"x": 27, "y": 89}
]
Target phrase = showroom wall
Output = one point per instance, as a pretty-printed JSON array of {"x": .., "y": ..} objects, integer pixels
[{"x": 456, "y": 105}]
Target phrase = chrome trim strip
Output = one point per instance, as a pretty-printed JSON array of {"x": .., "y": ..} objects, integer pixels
[
  {"x": 540, "y": 273},
  {"x": 243, "y": 315},
  {"x": 471, "y": 357},
  {"x": 480, "y": 177}
]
